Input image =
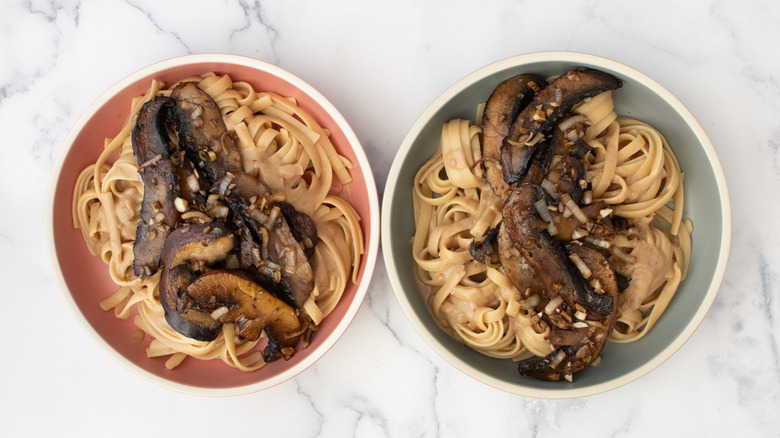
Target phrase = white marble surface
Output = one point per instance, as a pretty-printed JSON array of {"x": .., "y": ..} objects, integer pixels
[{"x": 381, "y": 64}]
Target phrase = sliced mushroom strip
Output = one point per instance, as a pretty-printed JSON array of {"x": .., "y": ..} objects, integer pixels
[
  {"x": 502, "y": 107},
  {"x": 581, "y": 343},
  {"x": 295, "y": 267},
  {"x": 548, "y": 107},
  {"x": 238, "y": 299},
  {"x": 522, "y": 276},
  {"x": 567, "y": 176},
  {"x": 486, "y": 251},
  {"x": 158, "y": 211},
  {"x": 566, "y": 138},
  {"x": 205, "y": 244},
  {"x": 545, "y": 253},
  {"x": 517, "y": 160},
  {"x": 302, "y": 226},
  {"x": 202, "y": 130},
  {"x": 149, "y": 136},
  {"x": 213, "y": 149},
  {"x": 537, "y": 168}
]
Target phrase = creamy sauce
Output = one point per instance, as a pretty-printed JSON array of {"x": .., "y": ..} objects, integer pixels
[{"x": 649, "y": 271}]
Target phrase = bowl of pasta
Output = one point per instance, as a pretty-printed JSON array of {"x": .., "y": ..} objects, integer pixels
[
  {"x": 570, "y": 224},
  {"x": 213, "y": 223}
]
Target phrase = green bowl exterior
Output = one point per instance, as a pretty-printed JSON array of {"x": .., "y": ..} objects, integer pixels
[{"x": 706, "y": 204}]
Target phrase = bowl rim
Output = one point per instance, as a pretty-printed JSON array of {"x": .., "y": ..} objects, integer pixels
[
  {"x": 369, "y": 258},
  {"x": 574, "y": 58}
]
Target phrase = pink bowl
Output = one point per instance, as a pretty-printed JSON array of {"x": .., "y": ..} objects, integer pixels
[{"x": 85, "y": 280}]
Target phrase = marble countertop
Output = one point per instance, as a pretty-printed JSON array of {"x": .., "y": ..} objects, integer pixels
[{"x": 381, "y": 64}]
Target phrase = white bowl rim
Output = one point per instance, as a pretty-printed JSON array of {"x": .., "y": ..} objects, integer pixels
[
  {"x": 574, "y": 58},
  {"x": 369, "y": 258}
]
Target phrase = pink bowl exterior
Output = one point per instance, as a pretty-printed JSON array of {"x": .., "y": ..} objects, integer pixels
[{"x": 85, "y": 278}]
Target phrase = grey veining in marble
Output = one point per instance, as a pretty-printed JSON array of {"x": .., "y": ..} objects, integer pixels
[{"x": 381, "y": 64}]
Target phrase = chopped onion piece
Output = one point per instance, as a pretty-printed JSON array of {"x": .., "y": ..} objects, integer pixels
[
  {"x": 558, "y": 94},
  {"x": 601, "y": 243},
  {"x": 272, "y": 217},
  {"x": 221, "y": 211},
  {"x": 264, "y": 243},
  {"x": 553, "y": 304},
  {"x": 530, "y": 302},
  {"x": 192, "y": 183},
  {"x": 256, "y": 259},
  {"x": 216, "y": 314},
  {"x": 272, "y": 265},
  {"x": 581, "y": 266},
  {"x": 211, "y": 201},
  {"x": 544, "y": 213},
  {"x": 571, "y": 121},
  {"x": 587, "y": 197},
  {"x": 289, "y": 260},
  {"x": 549, "y": 187},
  {"x": 153, "y": 161},
  {"x": 181, "y": 204},
  {"x": 223, "y": 183},
  {"x": 557, "y": 359},
  {"x": 519, "y": 144},
  {"x": 259, "y": 216},
  {"x": 536, "y": 139},
  {"x": 575, "y": 209},
  {"x": 623, "y": 256},
  {"x": 196, "y": 112},
  {"x": 578, "y": 233}
]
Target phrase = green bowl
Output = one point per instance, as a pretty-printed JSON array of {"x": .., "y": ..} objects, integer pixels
[{"x": 706, "y": 204}]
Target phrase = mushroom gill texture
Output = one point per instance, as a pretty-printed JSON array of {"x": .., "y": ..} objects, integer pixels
[{"x": 158, "y": 213}]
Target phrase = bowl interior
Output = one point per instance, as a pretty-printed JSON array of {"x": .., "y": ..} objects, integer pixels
[
  {"x": 706, "y": 203},
  {"x": 86, "y": 277}
]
